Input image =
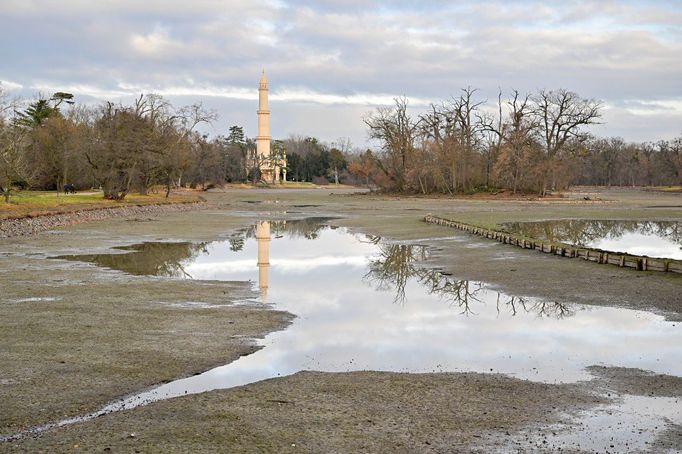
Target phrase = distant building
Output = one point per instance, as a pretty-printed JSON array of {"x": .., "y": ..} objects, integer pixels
[{"x": 271, "y": 161}]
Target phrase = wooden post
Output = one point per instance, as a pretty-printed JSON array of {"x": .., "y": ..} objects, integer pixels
[{"x": 601, "y": 257}]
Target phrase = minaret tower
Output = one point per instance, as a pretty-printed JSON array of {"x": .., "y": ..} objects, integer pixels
[{"x": 263, "y": 137}]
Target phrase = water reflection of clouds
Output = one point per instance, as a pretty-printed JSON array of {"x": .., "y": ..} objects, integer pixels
[
  {"x": 347, "y": 320},
  {"x": 211, "y": 270},
  {"x": 661, "y": 239},
  {"x": 223, "y": 269},
  {"x": 309, "y": 264},
  {"x": 640, "y": 244}
]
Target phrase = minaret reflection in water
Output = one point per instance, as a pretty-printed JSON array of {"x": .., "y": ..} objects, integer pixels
[
  {"x": 404, "y": 320},
  {"x": 263, "y": 238}
]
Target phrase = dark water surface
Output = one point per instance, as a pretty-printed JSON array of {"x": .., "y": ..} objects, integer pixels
[
  {"x": 366, "y": 304},
  {"x": 651, "y": 238}
]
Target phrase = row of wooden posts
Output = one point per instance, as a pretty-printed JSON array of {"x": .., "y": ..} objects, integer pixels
[{"x": 638, "y": 262}]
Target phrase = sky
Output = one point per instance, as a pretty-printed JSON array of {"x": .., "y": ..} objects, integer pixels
[{"x": 331, "y": 62}]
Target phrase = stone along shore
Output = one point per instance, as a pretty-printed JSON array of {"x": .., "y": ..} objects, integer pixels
[{"x": 41, "y": 223}]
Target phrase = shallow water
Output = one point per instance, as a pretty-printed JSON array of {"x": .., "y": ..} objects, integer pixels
[
  {"x": 365, "y": 304},
  {"x": 362, "y": 303},
  {"x": 650, "y": 238},
  {"x": 630, "y": 424}
]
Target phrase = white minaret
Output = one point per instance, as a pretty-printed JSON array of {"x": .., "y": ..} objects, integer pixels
[{"x": 263, "y": 137}]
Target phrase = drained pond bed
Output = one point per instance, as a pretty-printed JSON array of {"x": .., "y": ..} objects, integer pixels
[{"x": 362, "y": 303}]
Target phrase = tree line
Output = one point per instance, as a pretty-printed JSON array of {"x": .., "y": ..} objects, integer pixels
[
  {"x": 534, "y": 142},
  {"x": 530, "y": 143},
  {"x": 52, "y": 142},
  {"x": 117, "y": 147}
]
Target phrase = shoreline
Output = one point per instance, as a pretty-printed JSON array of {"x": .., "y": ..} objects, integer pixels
[
  {"x": 315, "y": 411},
  {"x": 33, "y": 224}
]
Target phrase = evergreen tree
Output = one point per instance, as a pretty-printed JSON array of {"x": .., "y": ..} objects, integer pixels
[{"x": 236, "y": 136}]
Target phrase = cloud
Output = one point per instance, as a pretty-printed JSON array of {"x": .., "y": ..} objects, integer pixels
[
  {"x": 8, "y": 85},
  {"x": 647, "y": 107},
  {"x": 191, "y": 90},
  {"x": 154, "y": 44},
  {"x": 339, "y": 54}
]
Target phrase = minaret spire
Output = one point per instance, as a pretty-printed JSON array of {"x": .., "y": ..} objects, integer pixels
[{"x": 263, "y": 137}]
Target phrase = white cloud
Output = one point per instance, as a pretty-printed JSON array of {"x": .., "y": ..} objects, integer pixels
[
  {"x": 362, "y": 99},
  {"x": 654, "y": 107},
  {"x": 241, "y": 93},
  {"x": 83, "y": 90},
  {"x": 340, "y": 55},
  {"x": 152, "y": 44},
  {"x": 9, "y": 85}
]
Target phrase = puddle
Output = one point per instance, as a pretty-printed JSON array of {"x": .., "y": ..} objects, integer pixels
[
  {"x": 630, "y": 425},
  {"x": 195, "y": 305},
  {"x": 151, "y": 258},
  {"x": 453, "y": 239},
  {"x": 365, "y": 304},
  {"x": 653, "y": 239},
  {"x": 34, "y": 299}
]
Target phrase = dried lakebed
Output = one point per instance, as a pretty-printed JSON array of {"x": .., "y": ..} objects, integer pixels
[{"x": 365, "y": 304}]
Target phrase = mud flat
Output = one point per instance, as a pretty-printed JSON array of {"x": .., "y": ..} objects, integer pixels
[
  {"x": 75, "y": 337},
  {"x": 118, "y": 334},
  {"x": 371, "y": 412},
  {"x": 317, "y": 412}
]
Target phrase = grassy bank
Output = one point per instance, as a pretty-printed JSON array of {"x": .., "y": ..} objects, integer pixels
[
  {"x": 40, "y": 203},
  {"x": 667, "y": 189}
]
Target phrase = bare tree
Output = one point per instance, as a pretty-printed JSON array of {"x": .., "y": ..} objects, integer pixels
[
  {"x": 493, "y": 132},
  {"x": 363, "y": 166},
  {"x": 439, "y": 147},
  {"x": 14, "y": 167},
  {"x": 53, "y": 144},
  {"x": 189, "y": 118},
  {"x": 453, "y": 132},
  {"x": 396, "y": 131},
  {"x": 465, "y": 109},
  {"x": 519, "y": 149},
  {"x": 207, "y": 169},
  {"x": 561, "y": 114},
  {"x": 671, "y": 152},
  {"x": 148, "y": 142}
]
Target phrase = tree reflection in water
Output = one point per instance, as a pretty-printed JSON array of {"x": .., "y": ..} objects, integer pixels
[
  {"x": 580, "y": 232},
  {"x": 516, "y": 304},
  {"x": 156, "y": 259},
  {"x": 394, "y": 267},
  {"x": 391, "y": 269},
  {"x": 308, "y": 228},
  {"x": 167, "y": 259},
  {"x": 396, "y": 264}
]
